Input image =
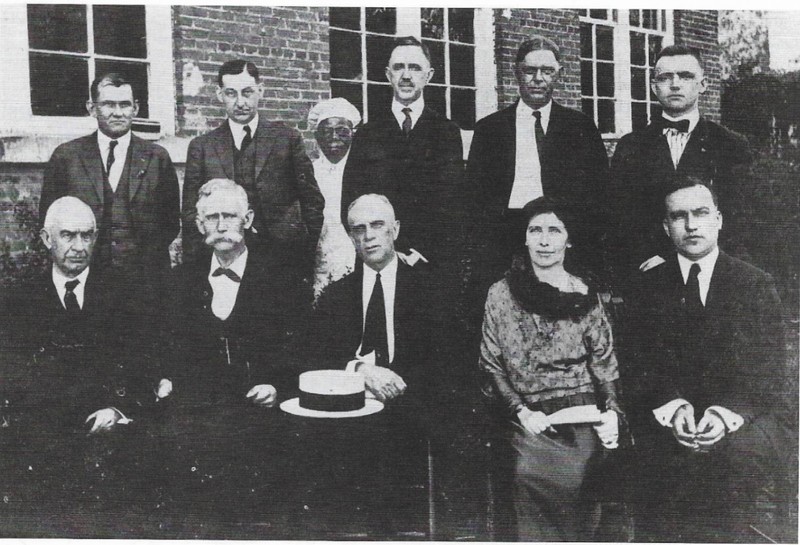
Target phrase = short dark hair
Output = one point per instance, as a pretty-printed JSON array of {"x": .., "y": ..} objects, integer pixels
[
  {"x": 235, "y": 67},
  {"x": 412, "y": 41},
  {"x": 684, "y": 181},
  {"x": 535, "y": 44},
  {"x": 549, "y": 205},
  {"x": 109, "y": 78},
  {"x": 679, "y": 50}
]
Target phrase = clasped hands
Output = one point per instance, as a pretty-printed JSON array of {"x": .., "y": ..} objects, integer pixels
[
  {"x": 703, "y": 435},
  {"x": 383, "y": 383}
]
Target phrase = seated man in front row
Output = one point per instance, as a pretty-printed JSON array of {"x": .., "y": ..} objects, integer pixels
[
  {"x": 378, "y": 321},
  {"x": 708, "y": 384},
  {"x": 233, "y": 321},
  {"x": 70, "y": 376}
]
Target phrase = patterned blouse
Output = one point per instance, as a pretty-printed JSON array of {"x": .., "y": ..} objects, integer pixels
[{"x": 534, "y": 359}]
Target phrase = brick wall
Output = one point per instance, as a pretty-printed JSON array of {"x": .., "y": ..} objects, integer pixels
[
  {"x": 699, "y": 29},
  {"x": 288, "y": 45},
  {"x": 513, "y": 26}
]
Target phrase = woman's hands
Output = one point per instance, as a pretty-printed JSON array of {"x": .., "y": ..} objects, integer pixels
[
  {"x": 608, "y": 429},
  {"x": 534, "y": 421}
]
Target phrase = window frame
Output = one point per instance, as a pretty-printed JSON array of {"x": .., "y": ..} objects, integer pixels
[{"x": 16, "y": 114}]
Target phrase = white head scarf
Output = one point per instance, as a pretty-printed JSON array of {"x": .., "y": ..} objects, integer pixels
[{"x": 334, "y": 107}]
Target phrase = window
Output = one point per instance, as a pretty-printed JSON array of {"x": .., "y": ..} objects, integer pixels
[
  {"x": 360, "y": 44},
  {"x": 54, "y": 51},
  {"x": 618, "y": 51}
]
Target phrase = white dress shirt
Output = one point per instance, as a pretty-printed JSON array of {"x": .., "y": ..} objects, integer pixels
[
  {"x": 416, "y": 110},
  {"x": 225, "y": 290},
  {"x": 389, "y": 283},
  {"x": 677, "y": 140},
  {"x": 237, "y": 130},
  {"x": 59, "y": 281},
  {"x": 120, "y": 155},
  {"x": 706, "y": 271},
  {"x": 527, "y": 165}
]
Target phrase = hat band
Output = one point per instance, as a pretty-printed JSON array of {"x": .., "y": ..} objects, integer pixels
[{"x": 332, "y": 403}]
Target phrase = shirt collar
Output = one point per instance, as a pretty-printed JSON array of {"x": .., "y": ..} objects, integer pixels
[
  {"x": 693, "y": 117},
  {"x": 389, "y": 271},
  {"x": 239, "y": 128},
  {"x": 60, "y": 280},
  {"x": 416, "y": 108},
  {"x": 324, "y": 164},
  {"x": 237, "y": 266},
  {"x": 526, "y": 112},
  {"x": 706, "y": 263},
  {"x": 122, "y": 142}
]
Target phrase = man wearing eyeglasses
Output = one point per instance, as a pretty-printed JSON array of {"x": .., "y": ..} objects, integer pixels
[
  {"x": 267, "y": 158},
  {"x": 678, "y": 141},
  {"x": 129, "y": 183},
  {"x": 532, "y": 148}
]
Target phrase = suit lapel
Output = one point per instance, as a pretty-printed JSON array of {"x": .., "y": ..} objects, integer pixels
[
  {"x": 719, "y": 282},
  {"x": 140, "y": 159},
  {"x": 263, "y": 143},
  {"x": 93, "y": 164},
  {"x": 507, "y": 142},
  {"x": 695, "y": 147},
  {"x": 223, "y": 148}
]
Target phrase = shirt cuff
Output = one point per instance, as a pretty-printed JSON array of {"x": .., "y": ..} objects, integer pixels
[
  {"x": 353, "y": 365},
  {"x": 732, "y": 420},
  {"x": 665, "y": 413},
  {"x": 123, "y": 419}
]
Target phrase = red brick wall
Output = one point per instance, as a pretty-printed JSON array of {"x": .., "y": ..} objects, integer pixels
[
  {"x": 288, "y": 45},
  {"x": 699, "y": 29}
]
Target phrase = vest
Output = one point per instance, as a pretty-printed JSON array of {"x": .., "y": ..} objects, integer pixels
[
  {"x": 117, "y": 245},
  {"x": 244, "y": 165}
]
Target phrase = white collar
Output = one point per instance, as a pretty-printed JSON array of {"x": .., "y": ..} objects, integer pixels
[
  {"x": 325, "y": 164},
  {"x": 59, "y": 279},
  {"x": 526, "y": 112},
  {"x": 706, "y": 263},
  {"x": 237, "y": 266},
  {"x": 122, "y": 142},
  {"x": 416, "y": 107},
  {"x": 239, "y": 128},
  {"x": 389, "y": 271},
  {"x": 693, "y": 117}
]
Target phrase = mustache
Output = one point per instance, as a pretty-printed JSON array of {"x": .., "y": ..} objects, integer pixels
[{"x": 231, "y": 238}]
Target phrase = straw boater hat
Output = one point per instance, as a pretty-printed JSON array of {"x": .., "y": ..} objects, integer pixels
[{"x": 331, "y": 394}]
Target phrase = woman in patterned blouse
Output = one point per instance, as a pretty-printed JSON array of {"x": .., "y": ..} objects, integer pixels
[{"x": 547, "y": 346}]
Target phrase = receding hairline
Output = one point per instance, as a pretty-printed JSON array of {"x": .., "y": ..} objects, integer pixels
[
  {"x": 381, "y": 199},
  {"x": 220, "y": 185},
  {"x": 67, "y": 208}
]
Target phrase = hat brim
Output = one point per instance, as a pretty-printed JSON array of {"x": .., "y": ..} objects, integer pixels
[{"x": 292, "y": 406}]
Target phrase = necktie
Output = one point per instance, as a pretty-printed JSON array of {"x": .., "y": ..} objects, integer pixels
[
  {"x": 407, "y": 121},
  {"x": 70, "y": 299},
  {"x": 539, "y": 131},
  {"x": 110, "y": 158},
  {"x": 693, "y": 302},
  {"x": 375, "y": 326},
  {"x": 227, "y": 272},
  {"x": 247, "y": 138},
  {"x": 680, "y": 126}
]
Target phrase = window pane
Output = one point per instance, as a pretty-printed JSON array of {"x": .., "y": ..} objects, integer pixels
[
  {"x": 434, "y": 97},
  {"x": 120, "y": 31},
  {"x": 136, "y": 73},
  {"x": 649, "y": 19},
  {"x": 345, "y": 18},
  {"x": 379, "y": 100},
  {"x": 634, "y": 17},
  {"x": 383, "y": 20},
  {"x": 586, "y": 41},
  {"x": 664, "y": 20},
  {"x": 461, "y": 25},
  {"x": 587, "y": 106},
  {"x": 605, "y": 43},
  {"x": 598, "y": 13},
  {"x": 462, "y": 108},
  {"x": 350, "y": 91},
  {"x": 432, "y": 22},
  {"x": 639, "y": 83},
  {"x": 655, "y": 48},
  {"x": 605, "y": 115},
  {"x": 639, "y": 115},
  {"x": 462, "y": 65},
  {"x": 587, "y": 77},
  {"x": 605, "y": 79},
  {"x": 583, "y": 12},
  {"x": 345, "y": 54},
  {"x": 437, "y": 60},
  {"x": 58, "y": 28},
  {"x": 59, "y": 85},
  {"x": 638, "y": 57},
  {"x": 379, "y": 48}
]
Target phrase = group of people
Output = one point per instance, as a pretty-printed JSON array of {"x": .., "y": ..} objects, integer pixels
[{"x": 166, "y": 383}]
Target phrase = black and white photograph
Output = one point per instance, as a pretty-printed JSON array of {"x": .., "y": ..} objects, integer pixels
[{"x": 349, "y": 273}]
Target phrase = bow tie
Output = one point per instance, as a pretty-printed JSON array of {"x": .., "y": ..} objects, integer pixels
[
  {"x": 227, "y": 272},
  {"x": 680, "y": 126}
]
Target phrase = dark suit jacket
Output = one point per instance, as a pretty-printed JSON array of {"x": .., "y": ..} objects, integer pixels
[
  {"x": 574, "y": 169},
  {"x": 270, "y": 307},
  {"x": 76, "y": 169},
  {"x": 284, "y": 177},
  {"x": 642, "y": 164},
  {"x": 733, "y": 356},
  {"x": 420, "y": 175}
]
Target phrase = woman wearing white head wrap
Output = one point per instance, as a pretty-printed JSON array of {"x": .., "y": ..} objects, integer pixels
[{"x": 333, "y": 122}]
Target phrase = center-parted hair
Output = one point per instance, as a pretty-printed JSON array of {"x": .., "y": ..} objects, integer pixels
[
  {"x": 410, "y": 41},
  {"x": 535, "y": 44},
  {"x": 235, "y": 67}
]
